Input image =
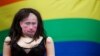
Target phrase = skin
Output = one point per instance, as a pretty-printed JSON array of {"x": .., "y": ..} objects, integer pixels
[{"x": 29, "y": 27}]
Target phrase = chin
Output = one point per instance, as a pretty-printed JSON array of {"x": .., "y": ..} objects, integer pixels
[{"x": 31, "y": 34}]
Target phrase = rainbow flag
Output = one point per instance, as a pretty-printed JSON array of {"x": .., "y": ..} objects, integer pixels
[{"x": 74, "y": 25}]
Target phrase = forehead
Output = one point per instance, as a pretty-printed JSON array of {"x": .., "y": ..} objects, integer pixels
[{"x": 31, "y": 17}]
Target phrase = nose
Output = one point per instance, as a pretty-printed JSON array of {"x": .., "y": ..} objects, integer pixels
[{"x": 31, "y": 27}]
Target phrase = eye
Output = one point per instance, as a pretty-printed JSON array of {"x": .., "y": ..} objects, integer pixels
[
  {"x": 33, "y": 23},
  {"x": 27, "y": 23}
]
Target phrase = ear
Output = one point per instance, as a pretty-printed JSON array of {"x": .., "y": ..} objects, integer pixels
[{"x": 21, "y": 23}]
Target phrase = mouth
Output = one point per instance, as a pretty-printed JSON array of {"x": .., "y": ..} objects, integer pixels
[{"x": 31, "y": 31}]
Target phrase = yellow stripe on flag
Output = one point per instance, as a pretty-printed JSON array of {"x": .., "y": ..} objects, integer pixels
[{"x": 52, "y": 9}]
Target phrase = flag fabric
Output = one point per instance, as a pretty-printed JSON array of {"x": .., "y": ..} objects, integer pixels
[{"x": 74, "y": 25}]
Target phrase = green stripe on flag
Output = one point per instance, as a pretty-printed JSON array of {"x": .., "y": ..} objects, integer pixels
[
  {"x": 68, "y": 29},
  {"x": 73, "y": 29}
]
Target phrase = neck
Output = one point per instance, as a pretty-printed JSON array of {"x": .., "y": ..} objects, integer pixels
[{"x": 28, "y": 36}]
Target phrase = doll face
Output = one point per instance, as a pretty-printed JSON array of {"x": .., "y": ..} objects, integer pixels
[{"x": 29, "y": 25}]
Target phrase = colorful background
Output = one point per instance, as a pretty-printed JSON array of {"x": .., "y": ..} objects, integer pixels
[{"x": 74, "y": 25}]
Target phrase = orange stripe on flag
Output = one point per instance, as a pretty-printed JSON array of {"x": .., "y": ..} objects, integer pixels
[{"x": 6, "y": 2}]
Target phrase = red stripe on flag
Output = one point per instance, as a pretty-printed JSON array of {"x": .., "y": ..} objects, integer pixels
[{"x": 6, "y": 2}]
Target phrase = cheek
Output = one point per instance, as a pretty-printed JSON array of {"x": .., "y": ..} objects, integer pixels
[
  {"x": 35, "y": 27},
  {"x": 24, "y": 28},
  {"x": 28, "y": 28}
]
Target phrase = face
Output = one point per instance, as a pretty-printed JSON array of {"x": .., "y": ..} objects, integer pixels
[{"x": 29, "y": 25}]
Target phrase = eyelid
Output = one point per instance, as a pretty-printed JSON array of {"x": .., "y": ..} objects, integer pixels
[
  {"x": 34, "y": 23},
  {"x": 28, "y": 23}
]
